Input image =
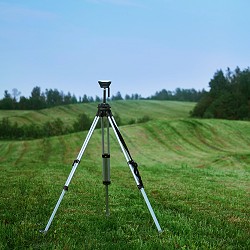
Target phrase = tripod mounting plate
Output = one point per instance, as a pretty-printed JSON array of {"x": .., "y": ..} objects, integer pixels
[{"x": 104, "y": 83}]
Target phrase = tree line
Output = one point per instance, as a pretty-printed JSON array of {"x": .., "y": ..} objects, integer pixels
[
  {"x": 49, "y": 98},
  {"x": 228, "y": 98},
  {"x": 188, "y": 95},
  {"x": 53, "y": 97}
]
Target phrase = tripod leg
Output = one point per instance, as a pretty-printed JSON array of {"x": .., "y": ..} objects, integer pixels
[
  {"x": 134, "y": 170},
  {"x": 106, "y": 161},
  {"x": 74, "y": 167}
]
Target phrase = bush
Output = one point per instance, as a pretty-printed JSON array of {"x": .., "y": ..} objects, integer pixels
[
  {"x": 32, "y": 131},
  {"x": 143, "y": 119},
  {"x": 82, "y": 123}
]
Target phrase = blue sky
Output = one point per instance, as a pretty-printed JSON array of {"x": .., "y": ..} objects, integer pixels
[{"x": 142, "y": 46}]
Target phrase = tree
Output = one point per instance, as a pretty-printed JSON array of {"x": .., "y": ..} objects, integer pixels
[
  {"x": 67, "y": 98},
  {"x": 97, "y": 99},
  {"x": 73, "y": 99},
  {"x": 127, "y": 97},
  {"x": 162, "y": 95},
  {"x": 228, "y": 98},
  {"x": 53, "y": 97},
  {"x": 85, "y": 99},
  {"x": 7, "y": 102},
  {"x": 82, "y": 123},
  {"x": 37, "y": 99},
  {"x": 16, "y": 93},
  {"x": 218, "y": 84},
  {"x": 52, "y": 128},
  {"x": 24, "y": 103},
  {"x": 135, "y": 96},
  {"x": 117, "y": 97}
]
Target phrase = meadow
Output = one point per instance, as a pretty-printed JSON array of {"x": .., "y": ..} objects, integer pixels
[{"x": 196, "y": 173}]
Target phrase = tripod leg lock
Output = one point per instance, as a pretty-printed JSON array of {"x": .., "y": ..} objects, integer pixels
[
  {"x": 75, "y": 161},
  {"x": 106, "y": 169},
  {"x": 136, "y": 172},
  {"x": 66, "y": 188},
  {"x": 106, "y": 182}
]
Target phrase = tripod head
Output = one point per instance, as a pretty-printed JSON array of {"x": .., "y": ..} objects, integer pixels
[{"x": 105, "y": 85}]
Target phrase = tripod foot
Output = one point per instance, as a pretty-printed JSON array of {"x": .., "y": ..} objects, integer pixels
[{"x": 43, "y": 231}]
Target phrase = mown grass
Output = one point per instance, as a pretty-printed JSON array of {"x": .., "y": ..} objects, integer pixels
[
  {"x": 196, "y": 174},
  {"x": 69, "y": 113}
]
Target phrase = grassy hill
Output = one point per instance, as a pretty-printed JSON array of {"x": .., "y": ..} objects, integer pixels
[
  {"x": 196, "y": 174},
  {"x": 127, "y": 110}
]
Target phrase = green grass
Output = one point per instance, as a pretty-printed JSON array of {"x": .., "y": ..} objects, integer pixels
[
  {"x": 196, "y": 174},
  {"x": 69, "y": 113}
]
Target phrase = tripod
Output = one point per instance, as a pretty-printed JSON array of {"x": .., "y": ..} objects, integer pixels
[{"x": 104, "y": 113}]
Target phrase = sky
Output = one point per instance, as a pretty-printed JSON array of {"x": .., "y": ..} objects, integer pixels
[{"x": 142, "y": 46}]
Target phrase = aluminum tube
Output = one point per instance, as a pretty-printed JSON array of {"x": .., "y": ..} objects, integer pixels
[
  {"x": 120, "y": 143},
  {"x": 107, "y": 200},
  {"x": 54, "y": 212},
  {"x": 91, "y": 130},
  {"x": 105, "y": 161},
  {"x": 82, "y": 150},
  {"x": 136, "y": 179},
  {"x": 124, "y": 152},
  {"x": 102, "y": 128},
  {"x": 151, "y": 210},
  {"x": 108, "y": 141},
  {"x": 72, "y": 172}
]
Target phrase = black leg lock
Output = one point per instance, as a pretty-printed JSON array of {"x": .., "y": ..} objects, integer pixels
[
  {"x": 75, "y": 161},
  {"x": 137, "y": 174},
  {"x": 106, "y": 156}
]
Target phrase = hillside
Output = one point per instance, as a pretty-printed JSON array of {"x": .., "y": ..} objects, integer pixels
[
  {"x": 127, "y": 110},
  {"x": 196, "y": 174},
  {"x": 194, "y": 142}
]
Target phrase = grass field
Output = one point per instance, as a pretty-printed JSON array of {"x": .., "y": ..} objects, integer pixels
[
  {"x": 196, "y": 174},
  {"x": 69, "y": 113}
]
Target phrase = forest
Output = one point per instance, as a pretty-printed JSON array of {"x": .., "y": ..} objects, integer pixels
[{"x": 228, "y": 97}]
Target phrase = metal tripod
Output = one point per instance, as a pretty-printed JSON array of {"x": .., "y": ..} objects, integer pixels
[{"x": 104, "y": 112}]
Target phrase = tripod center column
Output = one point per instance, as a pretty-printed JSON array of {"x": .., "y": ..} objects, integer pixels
[{"x": 105, "y": 152}]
